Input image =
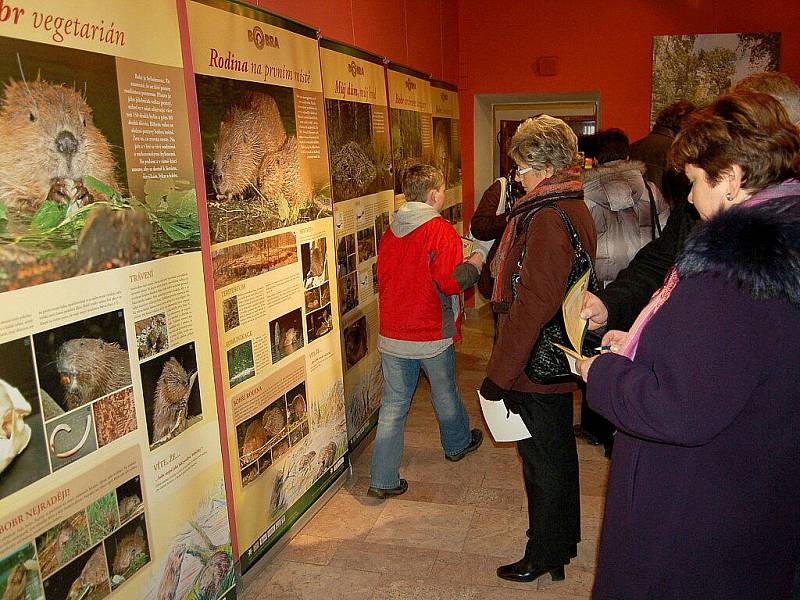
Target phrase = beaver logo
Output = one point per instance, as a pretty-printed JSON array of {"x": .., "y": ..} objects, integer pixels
[
  {"x": 261, "y": 39},
  {"x": 355, "y": 69},
  {"x": 410, "y": 85}
]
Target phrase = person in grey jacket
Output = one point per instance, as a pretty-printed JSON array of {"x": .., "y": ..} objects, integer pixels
[{"x": 617, "y": 195}]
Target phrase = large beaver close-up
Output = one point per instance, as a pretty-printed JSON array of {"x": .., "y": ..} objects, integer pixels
[
  {"x": 49, "y": 141},
  {"x": 90, "y": 368},
  {"x": 253, "y": 154}
]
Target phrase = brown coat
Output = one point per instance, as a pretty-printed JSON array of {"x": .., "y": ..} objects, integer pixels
[
  {"x": 540, "y": 292},
  {"x": 487, "y": 225}
]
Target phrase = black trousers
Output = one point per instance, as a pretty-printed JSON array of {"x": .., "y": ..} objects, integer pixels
[{"x": 550, "y": 469}]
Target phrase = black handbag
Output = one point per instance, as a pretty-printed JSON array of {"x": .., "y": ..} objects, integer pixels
[{"x": 547, "y": 364}]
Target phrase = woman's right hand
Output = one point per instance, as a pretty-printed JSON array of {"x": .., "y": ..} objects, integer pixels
[
  {"x": 615, "y": 338},
  {"x": 594, "y": 310}
]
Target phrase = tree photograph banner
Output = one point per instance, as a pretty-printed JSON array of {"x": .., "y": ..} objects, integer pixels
[
  {"x": 447, "y": 148},
  {"x": 699, "y": 68}
]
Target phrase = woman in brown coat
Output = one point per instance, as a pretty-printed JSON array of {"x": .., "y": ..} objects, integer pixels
[{"x": 531, "y": 269}]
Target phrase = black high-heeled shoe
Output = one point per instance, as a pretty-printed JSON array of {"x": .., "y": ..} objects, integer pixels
[{"x": 524, "y": 570}]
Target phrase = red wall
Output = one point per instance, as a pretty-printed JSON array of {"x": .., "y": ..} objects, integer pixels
[
  {"x": 422, "y": 34},
  {"x": 601, "y": 46}
]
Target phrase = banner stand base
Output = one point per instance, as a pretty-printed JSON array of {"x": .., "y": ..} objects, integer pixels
[{"x": 245, "y": 580}]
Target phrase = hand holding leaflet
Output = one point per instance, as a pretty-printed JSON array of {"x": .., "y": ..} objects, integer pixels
[{"x": 576, "y": 326}]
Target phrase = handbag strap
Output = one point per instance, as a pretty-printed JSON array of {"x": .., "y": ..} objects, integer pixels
[
  {"x": 655, "y": 225},
  {"x": 573, "y": 235},
  {"x": 501, "y": 205}
]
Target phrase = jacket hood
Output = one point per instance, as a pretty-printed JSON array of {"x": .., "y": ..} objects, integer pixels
[
  {"x": 616, "y": 185},
  {"x": 410, "y": 216},
  {"x": 756, "y": 246}
]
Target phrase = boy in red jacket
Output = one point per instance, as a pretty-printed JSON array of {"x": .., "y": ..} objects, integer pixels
[{"x": 418, "y": 284}]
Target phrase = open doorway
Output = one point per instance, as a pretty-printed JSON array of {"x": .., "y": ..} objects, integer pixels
[{"x": 498, "y": 115}]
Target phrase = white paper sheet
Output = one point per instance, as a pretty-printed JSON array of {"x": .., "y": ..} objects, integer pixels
[{"x": 503, "y": 425}]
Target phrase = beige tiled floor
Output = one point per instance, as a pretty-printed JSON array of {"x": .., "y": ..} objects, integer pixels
[{"x": 445, "y": 537}]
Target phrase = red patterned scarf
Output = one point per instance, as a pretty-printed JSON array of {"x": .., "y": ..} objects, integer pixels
[{"x": 566, "y": 184}]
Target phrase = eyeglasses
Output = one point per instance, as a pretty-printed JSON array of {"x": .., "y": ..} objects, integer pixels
[{"x": 522, "y": 171}]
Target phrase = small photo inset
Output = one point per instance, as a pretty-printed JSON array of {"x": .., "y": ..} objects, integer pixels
[
  {"x": 381, "y": 225},
  {"x": 230, "y": 313},
  {"x": 86, "y": 578},
  {"x": 249, "y": 474},
  {"x": 343, "y": 251},
  {"x": 375, "y": 277},
  {"x": 295, "y": 436},
  {"x": 114, "y": 416},
  {"x": 275, "y": 419},
  {"x": 127, "y": 551},
  {"x": 314, "y": 259},
  {"x": 348, "y": 292},
  {"x": 171, "y": 394},
  {"x": 319, "y": 322},
  {"x": 103, "y": 516},
  {"x": 281, "y": 448},
  {"x": 71, "y": 437},
  {"x": 297, "y": 404},
  {"x": 366, "y": 244},
  {"x": 325, "y": 294},
  {"x": 19, "y": 575},
  {"x": 60, "y": 544},
  {"x": 83, "y": 361},
  {"x": 129, "y": 500},
  {"x": 312, "y": 299},
  {"x": 355, "y": 341},
  {"x": 24, "y": 459},
  {"x": 151, "y": 335},
  {"x": 241, "y": 365},
  {"x": 351, "y": 263},
  {"x": 286, "y": 334},
  {"x": 265, "y": 462},
  {"x": 251, "y": 439}
]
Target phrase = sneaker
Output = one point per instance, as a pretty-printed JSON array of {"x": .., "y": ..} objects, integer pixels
[
  {"x": 477, "y": 439},
  {"x": 383, "y": 493}
]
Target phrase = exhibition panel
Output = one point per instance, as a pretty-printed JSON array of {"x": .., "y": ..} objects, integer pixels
[
  {"x": 112, "y": 482},
  {"x": 361, "y": 172},
  {"x": 268, "y": 192}
]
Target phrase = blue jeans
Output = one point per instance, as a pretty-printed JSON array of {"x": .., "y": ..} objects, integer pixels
[{"x": 400, "y": 377}]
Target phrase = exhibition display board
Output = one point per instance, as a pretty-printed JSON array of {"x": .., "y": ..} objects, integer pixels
[
  {"x": 265, "y": 152},
  {"x": 361, "y": 183},
  {"x": 411, "y": 123},
  {"x": 447, "y": 148},
  {"x": 111, "y": 473}
]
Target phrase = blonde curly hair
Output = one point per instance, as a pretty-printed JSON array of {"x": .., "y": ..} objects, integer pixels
[{"x": 544, "y": 141}]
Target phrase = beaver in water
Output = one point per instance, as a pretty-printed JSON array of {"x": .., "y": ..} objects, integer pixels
[
  {"x": 253, "y": 152},
  {"x": 91, "y": 368},
  {"x": 51, "y": 144}
]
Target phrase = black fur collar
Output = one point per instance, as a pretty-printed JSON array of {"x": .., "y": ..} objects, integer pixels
[{"x": 758, "y": 246}]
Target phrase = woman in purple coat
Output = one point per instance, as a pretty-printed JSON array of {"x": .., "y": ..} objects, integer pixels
[{"x": 705, "y": 388}]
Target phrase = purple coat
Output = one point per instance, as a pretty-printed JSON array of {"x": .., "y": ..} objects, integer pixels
[{"x": 705, "y": 476}]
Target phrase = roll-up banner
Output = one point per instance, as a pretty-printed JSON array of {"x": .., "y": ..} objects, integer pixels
[
  {"x": 362, "y": 186},
  {"x": 111, "y": 473},
  {"x": 265, "y": 153},
  {"x": 447, "y": 148},
  {"x": 411, "y": 124}
]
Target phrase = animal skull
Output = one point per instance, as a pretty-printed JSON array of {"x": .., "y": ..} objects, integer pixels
[{"x": 14, "y": 433}]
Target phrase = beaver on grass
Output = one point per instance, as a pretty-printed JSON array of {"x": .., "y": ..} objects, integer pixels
[{"x": 50, "y": 145}]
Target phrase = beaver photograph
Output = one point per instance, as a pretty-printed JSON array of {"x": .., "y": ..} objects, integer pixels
[
  {"x": 82, "y": 361},
  {"x": 171, "y": 394},
  {"x": 256, "y": 174}
]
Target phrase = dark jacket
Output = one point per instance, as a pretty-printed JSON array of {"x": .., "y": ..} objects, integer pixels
[
  {"x": 627, "y": 295},
  {"x": 487, "y": 225},
  {"x": 653, "y": 151},
  {"x": 702, "y": 494},
  {"x": 540, "y": 293}
]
